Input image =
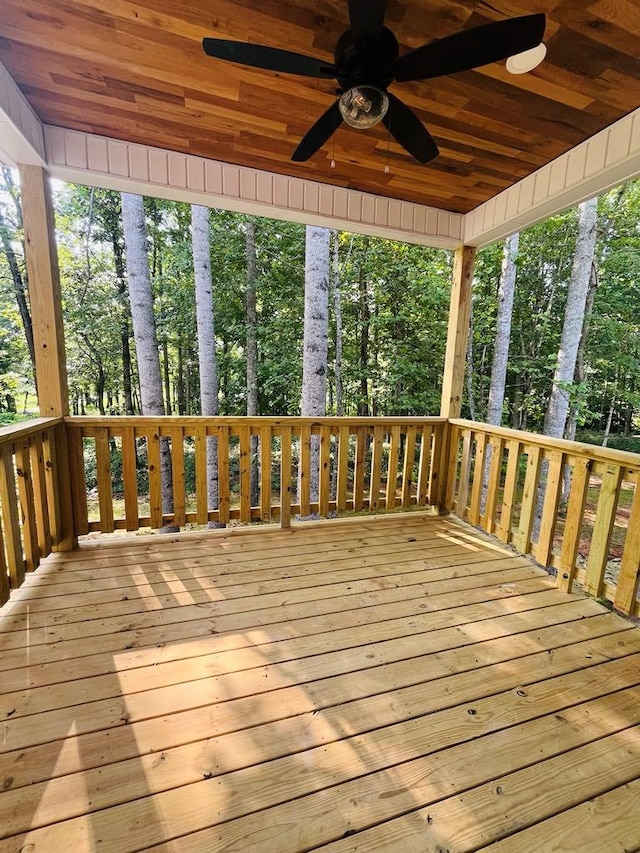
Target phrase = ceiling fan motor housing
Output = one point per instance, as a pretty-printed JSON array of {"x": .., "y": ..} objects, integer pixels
[{"x": 366, "y": 60}]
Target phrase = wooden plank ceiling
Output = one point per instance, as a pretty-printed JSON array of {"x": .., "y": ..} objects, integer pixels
[{"x": 135, "y": 70}]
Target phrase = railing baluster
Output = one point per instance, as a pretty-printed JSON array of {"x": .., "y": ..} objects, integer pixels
[
  {"x": 285, "y": 476},
  {"x": 78, "y": 481},
  {"x": 245, "y": 473},
  {"x": 358, "y": 474},
  {"x": 202, "y": 473},
  {"x": 529, "y": 498},
  {"x": 462, "y": 502},
  {"x": 343, "y": 468},
  {"x": 304, "y": 474},
  {"x": 10, "y": 517},
  {"x": 407, "y": 467},
  {"x": 27, "y": 506},
  {"x": 503, "y": 530},
  {"x": 627, "y": 587},
  {"x": 325, "y": 470},
  {"x": 549, "y": 518},
  {"x": 602, "y": 528},
  {"x": 493, "y": 484},
  {"x": 51, "y": 482},
  {"x": 103, "y": 469},
  {"x": 155, "y": 478},
  {"x": 223, "y": 475},
  {"x": 40, "y": 495},
  {"x": 422, "y": 491},
  {"x": 478, "y": 479},
  {"x": 573, "y": 525},
  {"x": 376, "y": 468},
  {"x": 392, "y": 468},
  {"x": 4, "y": 576},
  {"x": 265, "y": 473},
  {"x": 177, "y": 476}
]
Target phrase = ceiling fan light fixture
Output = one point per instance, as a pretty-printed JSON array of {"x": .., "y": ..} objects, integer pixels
[
  {"x": 363, "y": 106},
  {"x": 526, "y": 61}
]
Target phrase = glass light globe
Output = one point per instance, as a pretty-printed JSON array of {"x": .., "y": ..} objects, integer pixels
[{"x": 363, "y": 106}]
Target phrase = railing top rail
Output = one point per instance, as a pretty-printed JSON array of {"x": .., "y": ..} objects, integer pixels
[
  {"x": 195, "y": 420},
  {"x": 575, "y": 448},
  {"x": 26, "y": 428}
]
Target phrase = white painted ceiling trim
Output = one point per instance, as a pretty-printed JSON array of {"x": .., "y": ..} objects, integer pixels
[
  {"x": 130, "y": 167},
  {"x": 606, "y": 160},
  {"x": 21, "y": 133}
]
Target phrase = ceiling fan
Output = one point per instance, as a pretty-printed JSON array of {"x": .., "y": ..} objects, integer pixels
[{"x": 367, "y": 61}]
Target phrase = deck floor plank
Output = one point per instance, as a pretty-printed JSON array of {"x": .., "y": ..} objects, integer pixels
[{"x": 405, "y": 685}]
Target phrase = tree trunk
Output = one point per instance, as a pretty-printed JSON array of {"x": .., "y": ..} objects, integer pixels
[
  {"x": 316, "y": 321},
  {"x": 555, "y": 419},
  {"x": 125, "y": 328},
  {"x": 167, "y": 379},
  {"x": 207, "y": 362},
  {"x": 470, "y": 394},
  {"x": 337, "y": 311},
  {"x": 365, "y": 320},
  {"x": 506, "y": 292},
  {"x": 19, "y": 289},
  {"x": 144, "y": 327},
  {"x": 558, "y": 408},
  {"x": 252, "y": 351}
]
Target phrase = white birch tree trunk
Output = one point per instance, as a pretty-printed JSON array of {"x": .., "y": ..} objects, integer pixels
[
  {"x": 555, "y": 418},
  {"x": 558, "y": 408},
  {"x": 144, "y": 327},
  {"x": 316, "y": 323},
  {"x": 208, "y": 366},
  {"x": 252, "y": 351},
  {"x": 506, "y": 292}
]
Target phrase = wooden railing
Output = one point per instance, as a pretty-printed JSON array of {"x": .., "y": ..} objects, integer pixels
[
  {"x": 574, "y": 507},
  {"x": 363, "y": 464},
  {"x": 30, "y": 508}
]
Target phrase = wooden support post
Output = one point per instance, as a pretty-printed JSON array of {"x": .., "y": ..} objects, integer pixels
[
  {"x": 46, "y": 314},
  {"x": 458, "y": 330}
]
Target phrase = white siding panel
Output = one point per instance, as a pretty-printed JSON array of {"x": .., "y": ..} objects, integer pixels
[
  {"x": 541, "y": 186},
  {"x": 382, "y": 211},
  {"x": 576, "y": 165},
  {"x": 138, "y": 162},
  {"x": 368, "y": 209},
  {"x": 264, "y": 192},
  {"x": 118, "y": 158},
  {"x": 406, "y": 216},
  {"x": 177, "y": 170},
  {"x": 340, "y": 203},
  {"x": 419, "y": 219},
  {"x": 326, "y": 201},
  {"x": 76, "y": 150},
  {"x": 248, "y": 187},
  {"x": 296, "y": 195},
  {"x": 158, "y": 167},
  {"x": 354, "y": 210},
  {"x": 395, "y": 208},
  {"x": 55, "y": 146},
  {"x": 596, "y": 154},
  {"x": 280, "y": 191},
  {"x": 231, "y": 181},
  {"x": 213, "y": 177},
  {"x": 97, "y": 154},
  {"x": 619, "y": 141},
  {"x": 195, "y": 174},
  {"x": 311, "y": 197}
]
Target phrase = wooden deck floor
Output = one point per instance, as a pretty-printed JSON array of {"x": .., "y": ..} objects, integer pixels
[{"x": 387, "y": 684}]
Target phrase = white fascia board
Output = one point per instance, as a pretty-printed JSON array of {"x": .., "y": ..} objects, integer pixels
[
  {"x": 85, "y": 158},
  {"x": 21, "y": 133},
  {"x": 606, "y": 160}
]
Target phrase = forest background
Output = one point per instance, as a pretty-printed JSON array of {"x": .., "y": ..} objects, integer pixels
[{"x": 388, "y": 304}]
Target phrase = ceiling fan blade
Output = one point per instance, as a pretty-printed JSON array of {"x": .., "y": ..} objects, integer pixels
[
  {"x": 324, "y": 128},
  {"x": 407, "y": 129},
  {"x": 366, "y": 17},
  {"x": 270, "y": 58},
  {"x": 471, "y": 48}
]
